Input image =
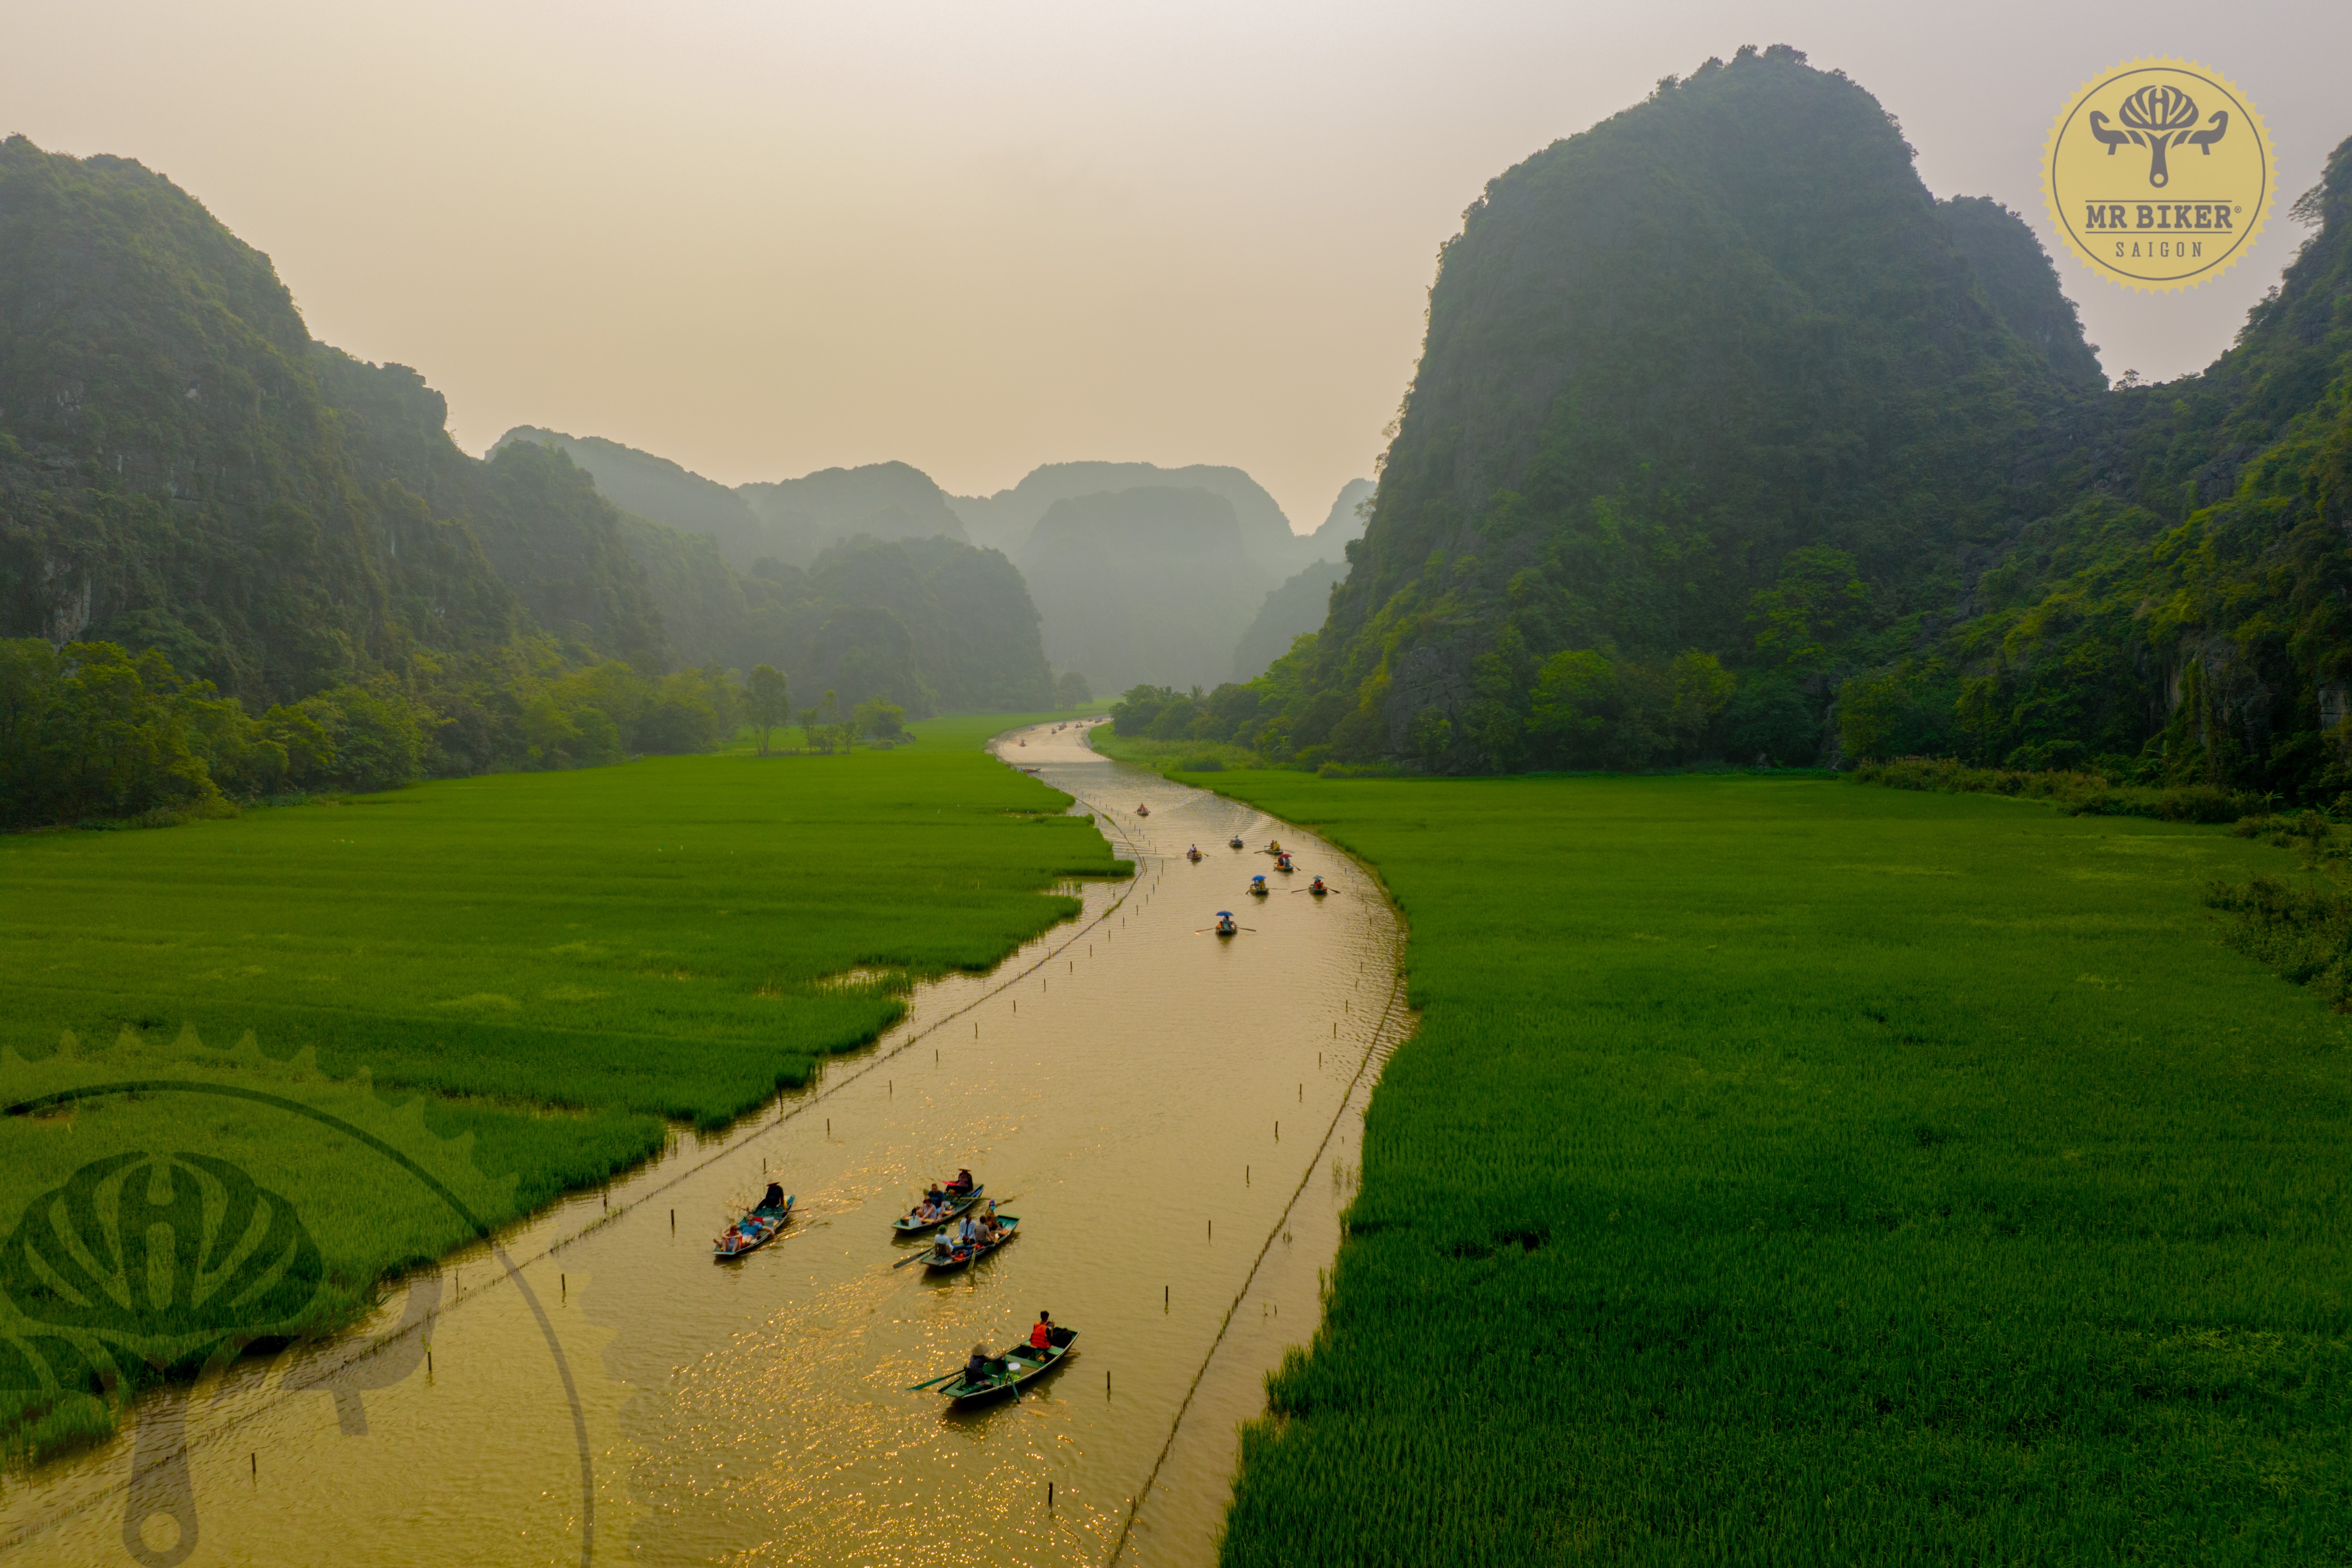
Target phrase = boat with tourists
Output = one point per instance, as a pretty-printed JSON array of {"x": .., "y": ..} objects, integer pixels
[
  {"x": 760, "y": 1224},
  {"x": 1225, "y": 926},
  {"x": 1317, "y": 887},
  {"x": 1193, "y": 853},
  {"x": 1282, "y": 862},
  {"x": 938, "y": 1205},
  {"x": 1236, "y": 843},
  {"x": 949, "y": 1252},
  {"x": 1143, "y": 811},
  {"x": 986, "y": 1376},
  {"x": 1257, "y": 887}
]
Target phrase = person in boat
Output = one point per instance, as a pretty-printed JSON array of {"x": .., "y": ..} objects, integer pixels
[
  {"x": 1041, "y": 1332},
  {"x": 1317, "y": 886},
  {"x": 943, "y": 1247},
  {"x": 962, "y": 1184},
  {"x": 775, "y": 1196},
  {"x": 975, "y": 1370},
  {"x": 991, "y": 1228}
]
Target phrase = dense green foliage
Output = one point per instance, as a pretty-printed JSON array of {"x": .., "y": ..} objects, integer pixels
[
  {"x": 1787, "y": 1172},
  {"x": 2080, "y": 795},
  {"x": 630, "y": 944}
]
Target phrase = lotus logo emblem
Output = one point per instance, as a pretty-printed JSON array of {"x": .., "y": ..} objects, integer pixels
[
  {"x": 2157, "y": 118},
  {"x": 167, "y": 1257}
]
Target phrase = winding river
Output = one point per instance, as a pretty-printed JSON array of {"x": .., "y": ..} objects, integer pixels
[{"x": 1175, "y": 1118}]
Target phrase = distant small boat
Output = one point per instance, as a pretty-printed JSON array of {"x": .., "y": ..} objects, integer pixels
[
  {"x": 1282, "y": 863},
  {"x": 758, "y": 1228},
  {"x": 1257, "y": 887},
  {"x": 1225, "y": 926},
  {"x": 1006, "y": 1371},
  {"x": 1192, "y": 854},
  {"x": 965, "y": 1257},
  {"x": 1236, "y": 843},
  {"x": 1317, "y": 887},
  {"x": 1143, "y": 811},
  {"x": 907, "y": 1225}
]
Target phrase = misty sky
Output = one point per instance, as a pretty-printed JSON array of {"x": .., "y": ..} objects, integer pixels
[{"x": 768, "y": 236}]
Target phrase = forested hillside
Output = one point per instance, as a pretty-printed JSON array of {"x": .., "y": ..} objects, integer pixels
[
  {"x": 235, "y": 561},
  {"x": 1729, "y": 440}
]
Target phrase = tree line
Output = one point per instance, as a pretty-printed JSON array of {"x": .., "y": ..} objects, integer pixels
[{"x": 93, "y": 732}]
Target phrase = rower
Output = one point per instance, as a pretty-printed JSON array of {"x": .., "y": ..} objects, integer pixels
[
  {"x": 975, "y": 1370},
  {"x": 775, "y": 1199},
  {"x": 962, "y": 1184}
]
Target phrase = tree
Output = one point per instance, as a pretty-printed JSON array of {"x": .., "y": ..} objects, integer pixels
[
  {"x": 821, "y": 723},
  {"x": 885, "y": 722},
  {"x": 768, "y": 701},
  {"x": 1071, "y": 691}
]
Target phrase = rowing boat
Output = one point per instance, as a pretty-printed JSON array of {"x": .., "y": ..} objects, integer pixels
[
  {"x": 907, "y": 1225},
  {"x": 965, "y": 1257},
  {"x": 753, "y": 1231},
  {"x": 1017, "y": 1365}
]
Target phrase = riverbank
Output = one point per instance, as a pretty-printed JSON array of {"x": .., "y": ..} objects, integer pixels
[
  {"x": 524, "y": 982},
  {"x": 1788, "y": 1170}
]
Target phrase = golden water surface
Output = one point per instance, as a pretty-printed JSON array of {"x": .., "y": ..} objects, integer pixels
[{"x": 1174, "y": 1117}]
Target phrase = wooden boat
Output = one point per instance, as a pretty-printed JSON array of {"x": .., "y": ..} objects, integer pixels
[
  {"x": 1235, "y": 842},
  {"x": 1225, "y": 926},
  {"x": 758, "y": 1228},
  {"x": 1018, "y": 1366},
  {"x": 1143, "y": 811},
  {"x": 907, "y": 1225},
  {"x": 965, "y": 1257},
  {"x": 1191, "y": 854}
]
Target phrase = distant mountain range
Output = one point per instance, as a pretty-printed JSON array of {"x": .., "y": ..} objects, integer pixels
[
  {"x": 1141, "y": 573},
  {"x": 182, "y": 467}
]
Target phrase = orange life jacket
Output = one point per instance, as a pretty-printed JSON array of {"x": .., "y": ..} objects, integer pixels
[{"x": 1041, "y": 1337}]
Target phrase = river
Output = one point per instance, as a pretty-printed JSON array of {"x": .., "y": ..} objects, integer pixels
[{"x": 1175, "y": 1118}]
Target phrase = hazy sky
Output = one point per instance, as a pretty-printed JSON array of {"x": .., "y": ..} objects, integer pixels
[{"x": 767, "y": 237}]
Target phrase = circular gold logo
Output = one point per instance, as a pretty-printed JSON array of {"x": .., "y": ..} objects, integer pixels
[{"x": 2159, "y": 174}]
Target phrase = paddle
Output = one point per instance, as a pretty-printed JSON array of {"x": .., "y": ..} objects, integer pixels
[{"x": 918, "y": 1387}]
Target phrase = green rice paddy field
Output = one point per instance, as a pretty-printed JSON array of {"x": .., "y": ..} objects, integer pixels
[
  {"x": 1789, "y": 1172},
  {"x": 555, "y": 966}
]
